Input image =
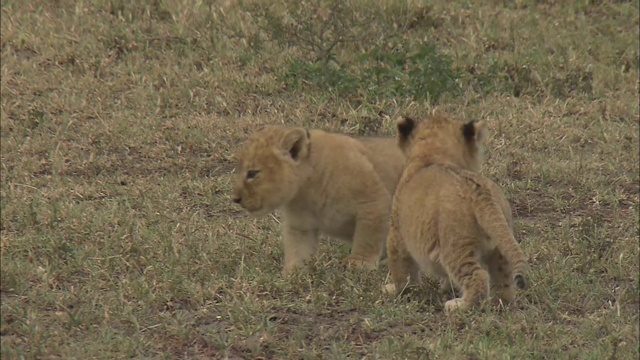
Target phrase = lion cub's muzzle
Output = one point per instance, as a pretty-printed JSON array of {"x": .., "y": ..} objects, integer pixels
[
  {"x": 250, "y": 202},
  {"x": 236, "y": 195},
  {"x": 244, "y": 202}
]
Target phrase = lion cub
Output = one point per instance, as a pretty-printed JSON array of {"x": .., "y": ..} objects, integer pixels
[
  {"x": 447, "y": 220},
  {"x": 322, "y": 182}
]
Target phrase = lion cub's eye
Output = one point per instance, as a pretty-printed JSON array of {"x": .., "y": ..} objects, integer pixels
[{"x": 251, "y": 174}]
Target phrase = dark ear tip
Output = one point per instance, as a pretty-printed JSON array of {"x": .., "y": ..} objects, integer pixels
[
  {"x": 469, "y": 129},
  {"x": 405, "y": 120},
  {"x": 405, "y": 125},
  {"x": 297, "y": 139}
]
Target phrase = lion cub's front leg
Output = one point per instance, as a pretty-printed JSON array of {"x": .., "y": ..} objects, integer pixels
[{"x": 299, "y": 246}]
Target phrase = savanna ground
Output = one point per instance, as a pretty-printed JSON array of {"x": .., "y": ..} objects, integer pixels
[{"x": 119, "y": 121}]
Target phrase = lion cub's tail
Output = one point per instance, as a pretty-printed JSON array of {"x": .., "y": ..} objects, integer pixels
[{"x": 494, "y": 223}]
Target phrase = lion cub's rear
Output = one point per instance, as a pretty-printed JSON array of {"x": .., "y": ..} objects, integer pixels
[
  {"x": 322, "y": 182},
  {"x": 447, "y": 220}
]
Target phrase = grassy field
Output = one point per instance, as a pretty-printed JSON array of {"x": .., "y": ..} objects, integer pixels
[{"x": 119, "y": 121}]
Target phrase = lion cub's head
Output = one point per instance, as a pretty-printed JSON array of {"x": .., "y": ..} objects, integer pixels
[
  {"x": 270, "y": 168},
  {"x": 440, "y": 140}
]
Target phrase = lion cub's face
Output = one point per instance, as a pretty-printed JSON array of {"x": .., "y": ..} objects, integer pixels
[
  {"x": 440, "y": 140},
  {"x": 270, "y": 169}
]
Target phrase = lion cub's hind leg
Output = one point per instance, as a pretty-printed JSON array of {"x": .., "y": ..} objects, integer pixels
[
  {"x": 465, "y": 269},
  {"x": 405, "y": 272},
  {"x": 501, "y": 273}
]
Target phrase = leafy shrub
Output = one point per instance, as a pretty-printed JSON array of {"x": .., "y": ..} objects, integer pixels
[
  {"x": 420, "y": 74},
  {"x": 322, "y": 75},
  {"x": 387, "y": 68}
]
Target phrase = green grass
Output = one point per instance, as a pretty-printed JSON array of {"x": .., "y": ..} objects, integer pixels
[{"x": 119, "y": 120}]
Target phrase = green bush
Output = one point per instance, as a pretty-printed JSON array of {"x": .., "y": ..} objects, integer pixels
[
  {"x": 388, "y": 66},
  {"x": 421, "y": 74}
]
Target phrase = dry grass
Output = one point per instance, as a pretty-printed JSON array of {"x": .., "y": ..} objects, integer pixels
[{"x": 118, "y": 122}]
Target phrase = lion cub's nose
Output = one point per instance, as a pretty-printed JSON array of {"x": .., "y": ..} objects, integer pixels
[{"x": 237, "y": 199}]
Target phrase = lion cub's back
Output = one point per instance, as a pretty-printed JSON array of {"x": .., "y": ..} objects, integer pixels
[
  {"x": 387, "y": 159},
  {"x": 346, "y": 164},
  {"x": 433, "y": 199}
]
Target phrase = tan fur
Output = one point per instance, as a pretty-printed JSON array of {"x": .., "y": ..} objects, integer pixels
[
  {"x": 447, "y": 220},
  {"x": 323, "y": 183}
]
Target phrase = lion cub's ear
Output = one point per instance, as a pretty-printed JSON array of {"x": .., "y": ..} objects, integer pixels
[
  {"x": 475, "y": 131},
  {"x": 405, "y": 126},
  {"x": 295, "y": 143}
]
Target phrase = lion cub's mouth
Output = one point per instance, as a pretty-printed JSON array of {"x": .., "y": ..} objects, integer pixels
[{"x": 259, "y": 212}]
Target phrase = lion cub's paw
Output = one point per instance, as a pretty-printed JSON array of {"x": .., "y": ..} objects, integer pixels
[
  {"x": 360, "y": 263},
  {"x": 289, "y": 269},
  {"x": 286, "y": 273},
  {"x": 389, "y": 289},
  {"x": 454, "y": 305}
]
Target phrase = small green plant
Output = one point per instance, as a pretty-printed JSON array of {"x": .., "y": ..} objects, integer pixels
[
  {"x": 421, "y": 73},
  {"x": 321, "y": 75},
  {"x": 388, "y": 67},
  {"x": 507, "y": 78},
  {"x": 573, "y": 82},
  {"x": 316, "y": 27},
  {"x": 518, "y": 80}
]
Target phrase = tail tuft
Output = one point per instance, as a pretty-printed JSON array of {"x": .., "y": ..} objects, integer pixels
[{"x": 520, "y": 283}]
